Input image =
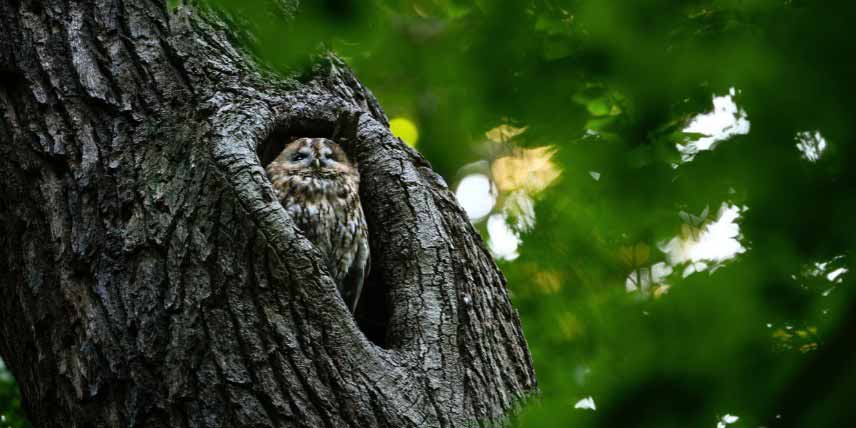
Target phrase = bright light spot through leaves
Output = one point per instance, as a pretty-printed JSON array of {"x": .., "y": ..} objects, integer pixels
[
  {"x": 519, "y": 175},
  {"x": 504, "y": 133},
  {"x": 727, "y": 420},
  {"x": 477, "y": 195},
  {"x": 725, "y": 121},
  {"x": 643, "y": 278},
  {"x": 698, "y": 244},
  {"x": 811, "y": 145},
  {"x": 526, "y": 169},
  {"x": 832, "y": 269},
  {"x": 835, "y": 275},
  {"x": 405, "y": 129},
  {"x": 586, "y": 403},
  {"x": 503, "y": 240}
]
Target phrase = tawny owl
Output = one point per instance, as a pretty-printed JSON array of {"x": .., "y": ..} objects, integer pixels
[{"x": 319, "y": 187}]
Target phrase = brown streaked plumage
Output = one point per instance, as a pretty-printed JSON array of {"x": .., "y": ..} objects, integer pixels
[{"x": 319, "y": 187}]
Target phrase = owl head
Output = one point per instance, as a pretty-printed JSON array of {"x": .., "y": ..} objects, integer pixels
[{"x": 312, "y": 157}]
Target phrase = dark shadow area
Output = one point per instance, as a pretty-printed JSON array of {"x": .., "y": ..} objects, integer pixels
[
  {"x": 372, "y": 314},
  {"x": 284, "y": 133},
  {"x": 641, "y": 404}
]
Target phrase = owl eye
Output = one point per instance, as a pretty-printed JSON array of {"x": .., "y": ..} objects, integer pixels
[{"x": 298, "y": 157}]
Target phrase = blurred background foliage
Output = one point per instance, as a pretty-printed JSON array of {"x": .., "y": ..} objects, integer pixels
[
  {"x": 11, "y": 413},
  {"x": 664, "y": 183}
]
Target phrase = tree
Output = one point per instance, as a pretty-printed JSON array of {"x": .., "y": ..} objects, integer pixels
[{"x": 150, "y": 278}]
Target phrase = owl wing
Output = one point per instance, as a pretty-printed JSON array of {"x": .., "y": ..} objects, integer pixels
[{"x": 352, "y": 284}]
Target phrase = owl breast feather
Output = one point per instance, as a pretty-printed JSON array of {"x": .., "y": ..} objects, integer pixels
[{"x": 329, "y": 214}]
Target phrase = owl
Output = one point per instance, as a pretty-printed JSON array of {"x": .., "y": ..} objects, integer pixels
[{"x": 319, "y": 187}]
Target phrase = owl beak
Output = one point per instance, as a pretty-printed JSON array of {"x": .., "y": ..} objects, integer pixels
[{"x": 317, "y": 164}]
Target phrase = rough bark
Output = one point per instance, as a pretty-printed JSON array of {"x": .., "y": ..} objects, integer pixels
[{"x": 150, "y": 278}]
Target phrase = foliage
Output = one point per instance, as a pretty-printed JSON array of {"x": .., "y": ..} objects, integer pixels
[
  {"x": 11, "y": 414},
  {"x": 608, "y": 107}
]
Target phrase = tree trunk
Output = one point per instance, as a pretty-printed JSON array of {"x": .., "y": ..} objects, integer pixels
[{"x": 150, "y": 278}]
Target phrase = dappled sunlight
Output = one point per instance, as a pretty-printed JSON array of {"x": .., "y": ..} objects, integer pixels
[
  {"x": 530, "y": 170},
  {"x": 649, "y": 279},
  {"x": 704, "y": 247},
  {"x": 405, "y": 129},
  {"x": 812, "y": 145},
  {"x": 517, "y": 216},
  {"x": 832, "y": 270},
  {"x": 725, "y": 121},
  {"x": 502, "y": 190},
  {"x": 726, "y": 420},
  {"x": 701, "y": 246},
  {"x": 817, "y": 281},
  {"x": 836, "y": 276},
  {"x": 826, "y": 274},
  {"x": 520, "y": 208},
  {"x": 504, "y": 133},
  {"x": 789, "y": 338},
  {"x": 503, "y": 241},
  {"x": 644, "y": 278},
  {"x": 586, "y": 404},
  {"x": 477, "y": 195}
]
